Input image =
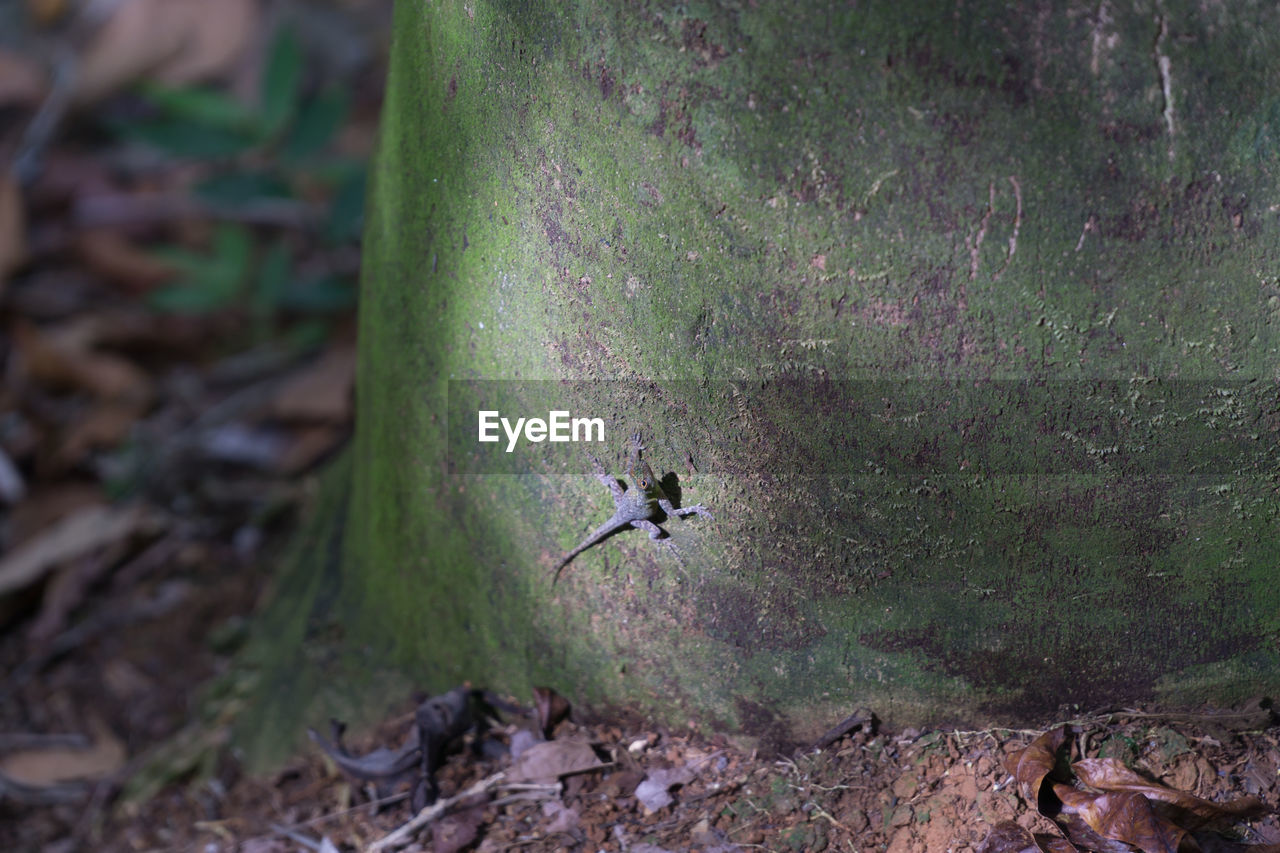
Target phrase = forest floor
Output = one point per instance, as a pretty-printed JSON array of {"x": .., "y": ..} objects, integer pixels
[{"x": 637, "y": 787}]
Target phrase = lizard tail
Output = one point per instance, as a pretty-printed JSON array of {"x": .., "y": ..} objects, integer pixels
[{"x": 566, "y": 561}]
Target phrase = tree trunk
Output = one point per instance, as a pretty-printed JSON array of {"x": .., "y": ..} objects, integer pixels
[{"x": 961, "y": 317}]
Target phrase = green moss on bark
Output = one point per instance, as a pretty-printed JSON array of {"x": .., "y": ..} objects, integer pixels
[{"x": 754, "y": 208}]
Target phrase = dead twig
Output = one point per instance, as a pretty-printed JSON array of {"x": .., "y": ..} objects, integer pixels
[
  {"x": 861, "y": 717},
  {"x": 43, "y": 125},
  {"x": 168, "y": 596},
  {"x": 400, "y": 836},
  {"x": 13, "y": 741},
  {"x": 41, "y": 795},
  {"x": 120, "y": 210}
]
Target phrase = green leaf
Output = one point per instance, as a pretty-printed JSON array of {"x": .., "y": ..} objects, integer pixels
[
  {"x": 309, "y": 335},
  {"x": 281, "y": 81},
  {"x": 186, "y": 139},
  {"x": 318, "y": 120},
  {"x": 212, "y": 282},
  {"x": 188, "y": 299},
  {"x": 236, "y": 189},
  {"x": 325, "y": 295},
  {"x": 346, "y": 211},
  {"x": 232, "y": 245},
  {"x": 185, "y": 261},
  {"x": 206, "y": 107},
  {"x": 274, "y": 275}
]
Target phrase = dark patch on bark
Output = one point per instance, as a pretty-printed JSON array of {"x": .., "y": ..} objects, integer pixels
[
  {"x": 607, "y": 82},
  {"x": 933, "y": 66},
  {"x": 763, "y": 723},
  {"x": 549, "y": 216},
  {"x": 706, "y": 53},
  {"x": 1127, "y": 132},
  {"x": 675, "y": 112},
  {"x": 1032, "y": 671},
  {"x": 768, "y": 620},
  {"x": 1198, "y": 219},
  {"x": 450, "y": 92}
]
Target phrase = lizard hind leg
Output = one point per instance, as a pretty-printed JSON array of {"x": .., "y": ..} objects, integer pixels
[
  {"x": 698, "y": 510},
  {"x": 658, "y": 534},
  {"x": 654, "y": 531}
]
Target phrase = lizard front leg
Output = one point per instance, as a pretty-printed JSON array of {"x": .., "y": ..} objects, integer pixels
[
  {"x": 609, "y": 481},
  {"x": 681, "y": 512}
]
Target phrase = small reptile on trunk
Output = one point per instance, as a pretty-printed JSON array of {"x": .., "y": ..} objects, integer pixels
[{"x": 637, "y": 507}]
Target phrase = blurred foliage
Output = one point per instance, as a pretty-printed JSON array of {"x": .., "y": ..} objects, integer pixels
[{"x": 277, "y": 151}]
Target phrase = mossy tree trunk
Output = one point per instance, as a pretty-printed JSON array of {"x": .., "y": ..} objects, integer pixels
[{"x": 961, "y": 316}]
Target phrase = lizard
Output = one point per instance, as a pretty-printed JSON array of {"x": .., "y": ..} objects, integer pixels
[{"x": 636, "y": 507}]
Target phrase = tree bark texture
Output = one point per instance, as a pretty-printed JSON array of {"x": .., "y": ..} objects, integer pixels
[{"x": 961, "y": 316}]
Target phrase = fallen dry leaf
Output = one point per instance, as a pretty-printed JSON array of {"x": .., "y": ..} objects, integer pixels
[
  {"x": 67, "y": 176},
  {"x": 47, "y": 12},
  {"x": 136, "y": 330},
  {"x": 1122, "y": 816},
  {"x": 457, "y": 831},
  {"x": 110, "y": 254},
  {"x": 54, "y": 764},
  {"x": 1008, "y": 837},
  {"x": 1187, "y": 810},
  {"x": 125, "y": 681},
  {"x": 171, "y": 41},
  {"x": 48, "y": 503},
  {"x": 22, "y": 80},
  {"x": 13, "y": 487},
  {"x": 66, "y": 591},
  {"x": 646, "y": 847},
  {"x": 13, "y": 226},
  {"x": 321, "y": 392},
  {"x": 63, "y": 357},
  {"x": 654, "y": 792},
  {"x": 547, "y": 761},
  {"x": 84, "y": 532},
  {"x": 563, "y": 818},
  {"x": 1031, "y": 764},
  {"x": 106, "y": 425},
  {"x": 1124, "y": 812},
  {"x": 307, "y": 447},
  {"x": 1083, "y": 835},
  {"x": 551, "y": 709},
  {"x": 1055, "y": 845}
]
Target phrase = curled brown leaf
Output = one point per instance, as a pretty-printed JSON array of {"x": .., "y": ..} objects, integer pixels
[
  {"x": 173, "y": 41},
  {"x": 1082, "y": 834},
  {"x": 1187, "y": 810},
  {"x": 1124, "y": 816},
  {"x": 1009, "y": 837},
  {"x": 13, "y": 227},
  {"x": 549, "y": 760},
  {"x": 1033, "y": 763},
  {"x": 551, "y": 708}
]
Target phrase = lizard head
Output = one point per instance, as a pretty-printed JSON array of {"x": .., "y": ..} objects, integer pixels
[{"x": 642, "y": 475}]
